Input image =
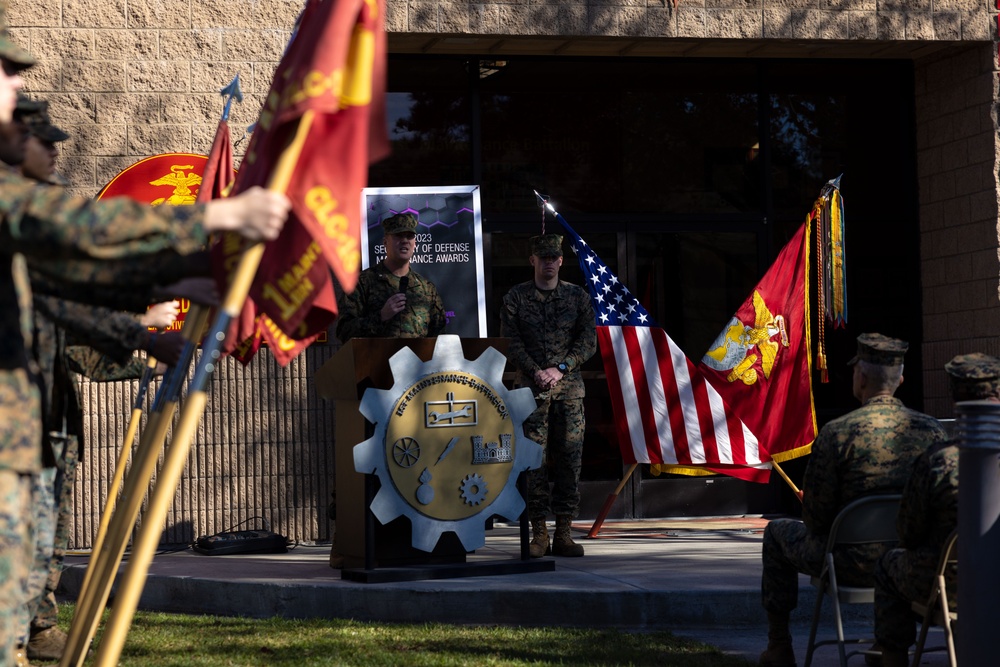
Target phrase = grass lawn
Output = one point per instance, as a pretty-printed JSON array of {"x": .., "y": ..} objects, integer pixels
[{"x": 158, "y": 640}]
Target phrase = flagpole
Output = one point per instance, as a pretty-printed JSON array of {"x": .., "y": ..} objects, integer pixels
[
  {"x": 107, "y": 555},
  {"x": 161, "y": 498},
  {"x": 795, "y": 489},
  {"x": 123, "y": 457},
  {"x": 603, "y": 514},
  {"x": 94, "y": 602}
]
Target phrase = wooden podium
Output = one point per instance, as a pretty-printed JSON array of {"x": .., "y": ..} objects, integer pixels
[{"x": 360, "y": 364}]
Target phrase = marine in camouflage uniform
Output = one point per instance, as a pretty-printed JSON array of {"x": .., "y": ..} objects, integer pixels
[
  {"x": 868, "y": 451},
  {"x": 378, "y": 307},
  {"x": 64, "y": 429},
  {"x": 44, "y": 221},
  {"x": 119, "y": 334},
  {"x": 552, "y": 333},
  {"x": 928, "y": 514}
]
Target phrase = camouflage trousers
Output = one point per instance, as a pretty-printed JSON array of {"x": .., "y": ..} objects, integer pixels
[
  {"x": 557, "y": 426},
  {"x": 43, "y": 520},
  {"x": 790, "y": 548},
  {"x": 47, "y": 614},
  {"x": 16, "y": 551},
  {"x": 903, "y": 576}
]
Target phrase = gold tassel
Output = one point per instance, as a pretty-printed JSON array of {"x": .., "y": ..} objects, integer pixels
[
  {"x": 838, "y": 269},
  {"x": 816, "y": 218}
]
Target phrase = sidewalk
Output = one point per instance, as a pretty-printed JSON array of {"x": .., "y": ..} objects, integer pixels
[{"x": 694, "y": 577}]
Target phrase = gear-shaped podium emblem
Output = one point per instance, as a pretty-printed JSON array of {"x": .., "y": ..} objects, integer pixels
[{"x": 471, "y": 444}]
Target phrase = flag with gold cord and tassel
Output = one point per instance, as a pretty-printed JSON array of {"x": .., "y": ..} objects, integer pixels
[{"x": 827, "y": 219}]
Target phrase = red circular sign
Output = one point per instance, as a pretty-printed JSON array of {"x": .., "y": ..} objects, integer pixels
[{"x": 170, "y": 178}]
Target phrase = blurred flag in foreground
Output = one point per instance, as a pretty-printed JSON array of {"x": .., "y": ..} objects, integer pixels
[{"x": 334, "y": 67}]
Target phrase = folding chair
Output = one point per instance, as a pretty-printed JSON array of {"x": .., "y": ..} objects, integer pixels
[
  {"x": 936, "y": 610},
  {"x": 866, "y": 520}
]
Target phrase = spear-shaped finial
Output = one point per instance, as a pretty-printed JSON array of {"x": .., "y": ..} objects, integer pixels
[
  {"x": 832, "y": 184},
  {"x": 543, "y": 201},
  {"x": 230, "y": 92}
]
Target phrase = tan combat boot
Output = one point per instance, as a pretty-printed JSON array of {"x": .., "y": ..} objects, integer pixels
[
  {"x": 539, "y": 539},
  {"x": 47, "y": 644},
  {"x": 779, "y": 652},
  {"x": 21, "y": 657},
  {"x": 562, "y": 543}
]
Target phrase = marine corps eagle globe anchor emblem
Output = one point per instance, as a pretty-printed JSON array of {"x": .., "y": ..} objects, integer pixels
[
  {"x": 448, "y": 445},
  {"x": 733, "y": 349}
]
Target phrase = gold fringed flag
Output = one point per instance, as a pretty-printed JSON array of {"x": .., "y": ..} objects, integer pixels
[
  {"x": 218, "y": 175},
  {"x": 760, "y": 361}
]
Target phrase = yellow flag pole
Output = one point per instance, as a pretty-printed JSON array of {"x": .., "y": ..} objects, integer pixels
[
  {"x": 795, "y": 489},
  {"x": 144, "y": 548},
  {"x": 123, "y": 457},
  {"x": 108, "y": 554}
]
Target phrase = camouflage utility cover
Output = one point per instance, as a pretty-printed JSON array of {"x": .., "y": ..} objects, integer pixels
[
  {"x": 878, "y": 349},
  {"x": 400, "y": 223},
  {"x": 547, "y": 245}
]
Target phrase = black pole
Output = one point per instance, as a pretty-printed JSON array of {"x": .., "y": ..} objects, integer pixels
[{"x": 978, "y": 529}]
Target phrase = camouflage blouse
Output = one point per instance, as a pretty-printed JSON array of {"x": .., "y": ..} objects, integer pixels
[
  {"x": 548, "y": 330},
  {"x": 867, "y": 451},
  {"x": 360, "y": 311},
  {"x": 45, "y": 222}
]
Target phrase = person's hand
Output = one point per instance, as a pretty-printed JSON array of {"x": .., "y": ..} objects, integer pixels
[
  {"x": 161, "y": 315},
  {"x": 256, "y": 214},
  {"x": 394, "y": 305},
  {"x": 167, "y": 347},
  {"x": 548, "y": 377},
  {"x": 201, "y": 290}
]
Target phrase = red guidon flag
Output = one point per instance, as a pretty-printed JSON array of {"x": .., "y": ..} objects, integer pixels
[
  {"x": 760, "y": 362},
  {"x": 218, "y": 175},
  {"x": 334, "y": 67}
]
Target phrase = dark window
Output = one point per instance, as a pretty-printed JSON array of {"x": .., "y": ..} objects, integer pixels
[{"x": 428, "y": 117}]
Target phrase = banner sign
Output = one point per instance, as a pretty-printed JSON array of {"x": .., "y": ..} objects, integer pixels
[
  {"x": 170, "y": 178},
  {"x": 449, "y": 249}
]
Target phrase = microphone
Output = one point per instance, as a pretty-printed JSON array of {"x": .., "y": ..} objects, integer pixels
[{"x": 404, "y": 282}]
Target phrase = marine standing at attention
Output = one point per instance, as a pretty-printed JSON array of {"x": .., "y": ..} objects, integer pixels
[{"x": 552, "y": 332}]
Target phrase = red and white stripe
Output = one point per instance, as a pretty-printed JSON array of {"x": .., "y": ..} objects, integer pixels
[{"x": 672, "y": 414}]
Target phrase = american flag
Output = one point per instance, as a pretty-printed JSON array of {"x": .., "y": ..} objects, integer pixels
[{"x": 665, "y": 411}]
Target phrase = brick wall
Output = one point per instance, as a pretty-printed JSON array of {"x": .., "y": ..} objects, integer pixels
[
  {"x": 957, "y": 172},
  {"x": 129, "y": 79}
]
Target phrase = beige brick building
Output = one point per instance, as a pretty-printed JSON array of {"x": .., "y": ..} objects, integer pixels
[{"x": 132, "y": 78}]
